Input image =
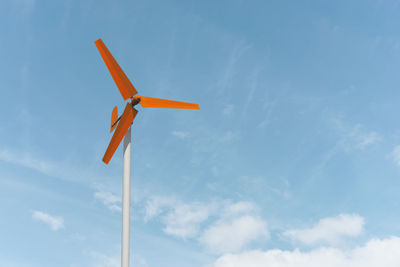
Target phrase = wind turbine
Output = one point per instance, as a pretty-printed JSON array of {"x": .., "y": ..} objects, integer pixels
[{"x": 122, "y": 127}]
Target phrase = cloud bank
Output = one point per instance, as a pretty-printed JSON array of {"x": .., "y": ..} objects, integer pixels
[
  {"x": 376, "y": 252},
  {"x": 221, "y": 227},
  {"x": 329, "y": 230}
]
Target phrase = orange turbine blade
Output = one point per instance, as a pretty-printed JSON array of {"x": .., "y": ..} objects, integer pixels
[
  {"x": 151, "y": 102},
  {"x": 123, "y": 126},
  {"x": 114, "y": 118},
  {"x": 125, "y": 87}
]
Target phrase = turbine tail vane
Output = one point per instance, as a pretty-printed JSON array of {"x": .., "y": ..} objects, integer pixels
[
  {"x": 114, "y": 119},
  {"x": 123, "y": 126}
]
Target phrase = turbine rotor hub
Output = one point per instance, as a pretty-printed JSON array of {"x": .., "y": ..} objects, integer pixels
[{"x": 135, "y": 100}]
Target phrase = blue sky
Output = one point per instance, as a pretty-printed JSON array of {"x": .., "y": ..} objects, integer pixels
[{"x": 293, "y": 158}]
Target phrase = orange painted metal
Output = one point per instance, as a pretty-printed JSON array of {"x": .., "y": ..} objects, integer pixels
[
  {"x": 127, "y": 90},
  {"x": 114, "y": 118},
  {"x": 151, "y": 102},
  {"x": 123, "y": 126},
  {"x": 125, "y": 87}
]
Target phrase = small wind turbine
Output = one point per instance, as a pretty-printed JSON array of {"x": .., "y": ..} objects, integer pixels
[{"x": 122, "y": 126}]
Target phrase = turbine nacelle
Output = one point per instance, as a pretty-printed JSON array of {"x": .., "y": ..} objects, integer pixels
[{"x": 135, "y": 100}]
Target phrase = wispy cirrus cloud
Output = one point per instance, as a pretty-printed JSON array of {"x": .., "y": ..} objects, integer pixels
[
  {"x": 329, "y": 230},
  {"x": 367, "y": 139},
  {"x": 111, "y": 201},
  {"x": 396, "y": 155},
  {"x": 28, "y": 161},
  {"x": 227, "y": 77},
  {"x": 55, "y": 222},
  {"x": 57, "y": 169},
  {"x": 253, "y": 86},
  {"x": 355, "y": 136},
  {"x": 180, "y": 134}
]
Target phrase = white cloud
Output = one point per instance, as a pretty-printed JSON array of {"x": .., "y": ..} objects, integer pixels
[
  {"x": 230, "y": 226},
  {"x": 239, "y": 208},
  {"x": 179, "y": 219},
  {"x": 184, "y": 220},
  {"x": 355, "y": 136},
  {"x": 374, "y": 253},
  {"x": 110, "y": 200},
  {"x": 156, "y": 205},
  {"x": 55, "y": 222},
  {"x": 180, "y": 134},
  {"x": 102, "y": 260},
  {"x": 329, "y": 230},
  {"x": 367, "y": 139},
  {"x": 233, "y": 235},
  {"x": 396, "y": 155},
  {"x": 362, "y": 139}
]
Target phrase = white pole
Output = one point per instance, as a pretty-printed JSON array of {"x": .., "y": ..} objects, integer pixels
[{"x": 126, "y": 192}]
